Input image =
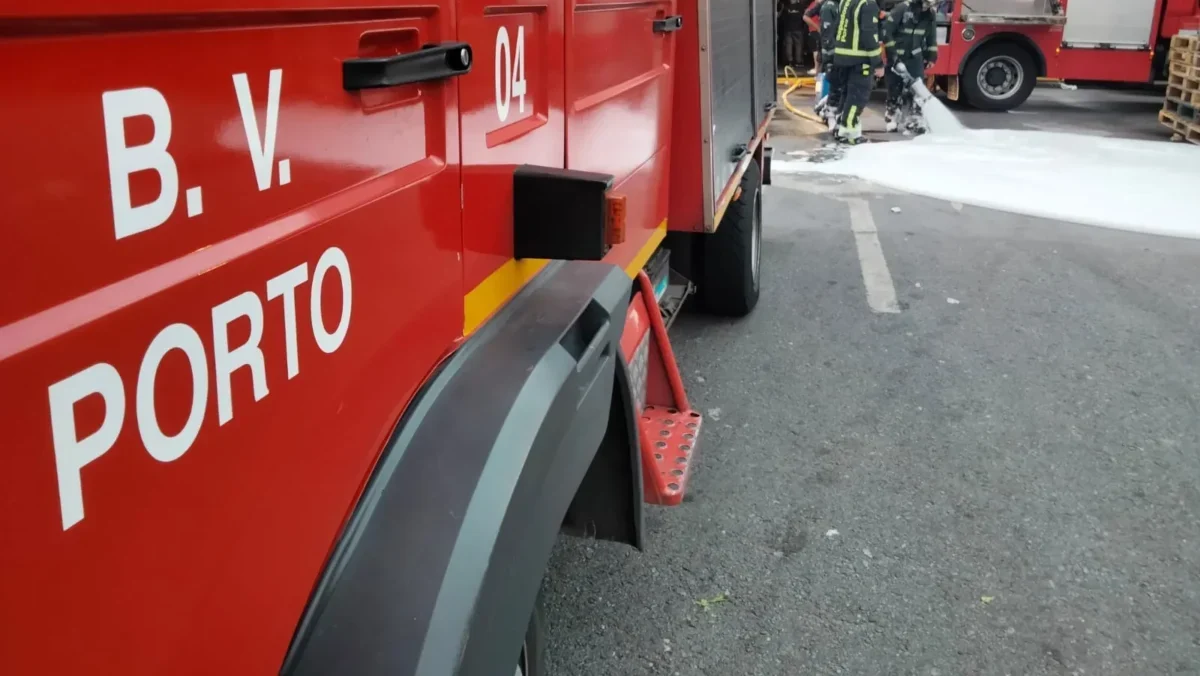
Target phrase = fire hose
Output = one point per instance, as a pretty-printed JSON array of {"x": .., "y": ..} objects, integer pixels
[{"x": 796, "y": 82}]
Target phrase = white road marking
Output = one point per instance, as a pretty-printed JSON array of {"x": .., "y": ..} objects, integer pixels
[{"x": 881, "y": 293}]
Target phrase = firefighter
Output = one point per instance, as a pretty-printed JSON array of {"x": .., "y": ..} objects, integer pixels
[
  {"x": 793, "y": 32},
  {"x": 856, "y": 63},
  {"x": 910, "y": 36},
  {"x": 821, "y": 17}
]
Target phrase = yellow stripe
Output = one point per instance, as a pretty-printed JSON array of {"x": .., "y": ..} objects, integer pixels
[
  {"x": 507, "y": 280},
  {"x": 647, "y": 250},
  {"x": 491, "y": 293}
]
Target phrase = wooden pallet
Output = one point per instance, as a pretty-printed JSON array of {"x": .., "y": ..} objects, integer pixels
[
  {"x": 1184, "y": 129},
  {"x": 1181, "y": 106},
  {"x": 1185, "y": 43},
  {"x": 1184, "y": 69},
  {"x": 1181, "y": 110},
  {"x": 1185, "y": 57}
]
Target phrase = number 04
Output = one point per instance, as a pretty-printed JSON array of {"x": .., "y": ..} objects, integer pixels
[{"x": 510, "y": 72}]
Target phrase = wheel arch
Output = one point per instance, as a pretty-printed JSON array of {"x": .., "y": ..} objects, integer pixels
[
  {"x": 439, "y": 565},
  {"x": 1023, "y": 41}
]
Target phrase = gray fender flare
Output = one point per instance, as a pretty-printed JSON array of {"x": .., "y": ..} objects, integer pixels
[{"x": 439, "y": 565}]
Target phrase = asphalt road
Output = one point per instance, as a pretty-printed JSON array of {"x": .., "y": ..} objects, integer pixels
[{"x": 1002, "y": 478}]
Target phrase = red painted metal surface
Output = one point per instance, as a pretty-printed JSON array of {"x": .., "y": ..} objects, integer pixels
[
  {"x": 189, "y": 419},
  {"x": 687, "y": 160},
  {"x": 668, "y": 427},
  {"x": 199, "y": 559},
  {"x": 531, "y": 129},
  {"x": 619, "y": 104}
]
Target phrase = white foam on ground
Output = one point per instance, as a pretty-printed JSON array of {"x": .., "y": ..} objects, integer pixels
[{"x": 1142, "y": 186}]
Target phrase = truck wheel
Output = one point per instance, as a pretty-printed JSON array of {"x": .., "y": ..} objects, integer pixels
[
  {"x": 999, "y": 76},
  {"x": 532, "y": 660},
  {"x": 732, "y": 255}
]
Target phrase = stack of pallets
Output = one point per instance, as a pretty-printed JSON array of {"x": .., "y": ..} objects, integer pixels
[{"x": 1181, "y": 108}]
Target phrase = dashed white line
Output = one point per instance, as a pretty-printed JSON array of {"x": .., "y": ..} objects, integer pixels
[{"x": 881, "y": 293}]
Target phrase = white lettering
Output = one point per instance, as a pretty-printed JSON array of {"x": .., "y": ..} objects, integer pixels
[
  {"x": 332, "y": 258},
  {"x": 160, "y": 446},
  {"x": 226, "y": 361},
  {"x": 262, "y": 150},
  {"x": 503, "y": 74},
  {"x": 72, "y": 454},
  {"x": 510, "y": 72},
  {"x": 124, "y": 160},
  {"x": 285, "y": 285}
]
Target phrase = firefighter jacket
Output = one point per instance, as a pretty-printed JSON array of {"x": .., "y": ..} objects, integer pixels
[
  {"x": 910, "y": 33},
  {"x": 856, "y": 40},
  {"x": 826, "y": 13}
]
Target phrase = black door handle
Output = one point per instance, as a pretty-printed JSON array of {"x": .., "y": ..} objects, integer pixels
[
  {"x": 431, "y": 62},
  {"x": 669, "y": 24}
]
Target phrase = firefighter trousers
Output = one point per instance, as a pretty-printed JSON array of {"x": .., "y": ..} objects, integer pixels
[
  {"x": 837, "y": 84},
  {"x": 858, "y": 80}
]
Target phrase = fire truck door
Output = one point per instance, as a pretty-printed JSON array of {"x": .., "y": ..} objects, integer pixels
[
  {"x": 512, "y": 114},
  {"x": 224, "y": 275}
]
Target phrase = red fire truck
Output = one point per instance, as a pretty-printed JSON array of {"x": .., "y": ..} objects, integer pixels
[
  {"x": 992, "y": 51},
  {"x": 322, "y": 319}
]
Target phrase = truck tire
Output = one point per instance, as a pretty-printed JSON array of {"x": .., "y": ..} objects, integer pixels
[
  {"x": 999, "y": 76},
  {"x": 731, "y": 265},
  {"x": 532, "y": 660}
]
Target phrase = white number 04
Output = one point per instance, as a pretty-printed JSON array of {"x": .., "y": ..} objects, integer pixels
[{"x": 510, "y": 72}]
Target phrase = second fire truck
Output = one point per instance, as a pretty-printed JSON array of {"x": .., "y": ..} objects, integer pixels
[{"x": 991, "y": 52}]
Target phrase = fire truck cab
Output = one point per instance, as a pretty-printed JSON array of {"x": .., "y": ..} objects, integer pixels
[
  {"x": 322, "y": 319},
  {"x": 991, "y": 52}
]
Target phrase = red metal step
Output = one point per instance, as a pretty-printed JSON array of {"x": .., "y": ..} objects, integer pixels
[
  {"x": 669, "y": 428},
  {"x": 668, "y": 443}
]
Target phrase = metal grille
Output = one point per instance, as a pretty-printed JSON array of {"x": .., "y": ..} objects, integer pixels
[{"x": 637, "y": 373}]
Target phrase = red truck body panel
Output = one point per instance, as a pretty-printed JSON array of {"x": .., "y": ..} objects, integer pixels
[
  {"x": 138, "y": 577},
  {"x": 228, "y": 276},
  {"x": 198, "y": 479}
]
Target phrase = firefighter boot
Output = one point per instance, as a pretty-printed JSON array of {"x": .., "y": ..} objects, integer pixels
[
  {"x": 915, "y": 124},
  {"x": 891, "y": 118},
  {"x": 851, "y": 136}
]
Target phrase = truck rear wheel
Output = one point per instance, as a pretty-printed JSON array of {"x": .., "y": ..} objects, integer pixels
[
  {"x": 732, "y": 256},
  {"x": 999, "y": 76}
]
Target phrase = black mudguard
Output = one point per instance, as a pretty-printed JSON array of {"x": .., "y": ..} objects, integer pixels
[{"x": 439, "y": 566}]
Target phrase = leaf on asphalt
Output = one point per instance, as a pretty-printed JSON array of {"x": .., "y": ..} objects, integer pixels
[
  {"x": 987, "y": 599},
  {"x": 708, "y": 603}
]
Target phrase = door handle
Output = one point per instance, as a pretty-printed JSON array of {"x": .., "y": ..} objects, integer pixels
[
  {"x": 431, "y": 62},
  {"x": 587, "y": 341},
  {"x": 668, "y": 24}
]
